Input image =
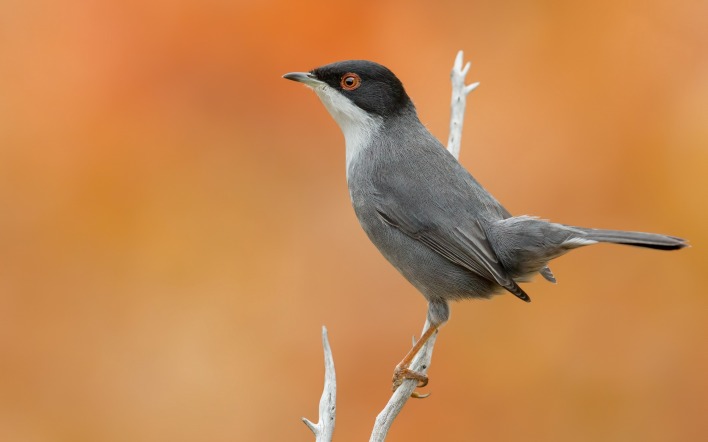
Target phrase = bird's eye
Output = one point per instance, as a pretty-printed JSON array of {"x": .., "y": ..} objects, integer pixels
[{"x": 350, "y": 81}]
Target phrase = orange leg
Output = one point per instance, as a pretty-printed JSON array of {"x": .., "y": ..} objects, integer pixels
[{"x": 403, "y": 371}]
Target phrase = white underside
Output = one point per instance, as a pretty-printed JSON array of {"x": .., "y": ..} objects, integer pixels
[{"x": 357, "y": 125}]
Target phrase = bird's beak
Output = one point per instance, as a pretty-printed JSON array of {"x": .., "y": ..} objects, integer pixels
[{"x": 304, "y": 77}]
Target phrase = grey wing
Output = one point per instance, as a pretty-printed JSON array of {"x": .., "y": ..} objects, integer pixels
[
  {"x": 433, "y": 199},
  {"x": 466, "y": 245}
]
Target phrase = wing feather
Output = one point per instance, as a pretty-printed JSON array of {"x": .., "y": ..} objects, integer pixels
[{"x": 466, "y": 246}]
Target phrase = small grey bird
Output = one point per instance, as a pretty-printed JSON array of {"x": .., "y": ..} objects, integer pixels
[{"x": 425, "y": 213}]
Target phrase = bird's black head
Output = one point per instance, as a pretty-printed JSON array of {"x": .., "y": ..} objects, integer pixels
[{"x": 370, "y": 86}]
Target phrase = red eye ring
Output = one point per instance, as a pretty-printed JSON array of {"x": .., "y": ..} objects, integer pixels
[{"x": 350, "y": 81}]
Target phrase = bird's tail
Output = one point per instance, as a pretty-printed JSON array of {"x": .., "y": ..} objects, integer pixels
[
  {"x": 525, "y": 244},
  {"x": 639, "y": 239}
]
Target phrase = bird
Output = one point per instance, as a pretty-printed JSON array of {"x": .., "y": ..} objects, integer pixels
[{"x": 426, "y": 214}]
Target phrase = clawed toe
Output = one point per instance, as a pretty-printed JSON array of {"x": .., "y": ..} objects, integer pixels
[{"x": 401, "y": 373}]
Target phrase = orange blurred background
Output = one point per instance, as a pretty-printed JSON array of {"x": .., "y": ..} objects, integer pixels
[{"x": 175, "y": 225}]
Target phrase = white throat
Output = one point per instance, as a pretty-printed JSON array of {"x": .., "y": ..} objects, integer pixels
[{"x": 357, "y": 125}]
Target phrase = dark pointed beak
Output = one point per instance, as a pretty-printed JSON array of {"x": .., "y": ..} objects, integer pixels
[{"x": 303, "y": 77}]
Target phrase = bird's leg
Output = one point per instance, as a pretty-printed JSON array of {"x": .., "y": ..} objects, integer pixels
[{"x": 402, "y": 370}]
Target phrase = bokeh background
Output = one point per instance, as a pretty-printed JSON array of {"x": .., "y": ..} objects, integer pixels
[{"x": 175, "y": 226}]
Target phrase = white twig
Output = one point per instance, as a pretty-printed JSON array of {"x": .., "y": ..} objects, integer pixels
[
  {"x": 324, "y": 429},
  {"x": 420, "y": 363},
  {"x": 458, "y": 103}
]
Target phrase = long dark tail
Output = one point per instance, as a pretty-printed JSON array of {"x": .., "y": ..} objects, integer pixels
[{"x": 639, "y": 239}]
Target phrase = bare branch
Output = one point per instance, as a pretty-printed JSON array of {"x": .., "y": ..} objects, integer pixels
[
  {"x": 458, "y": 103},
  {"x": 324, "y": 429},
  {"x": 420, "y": 364}
]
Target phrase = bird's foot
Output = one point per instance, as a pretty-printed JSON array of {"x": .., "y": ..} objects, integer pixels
[{"x": 403, "y": 372}]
